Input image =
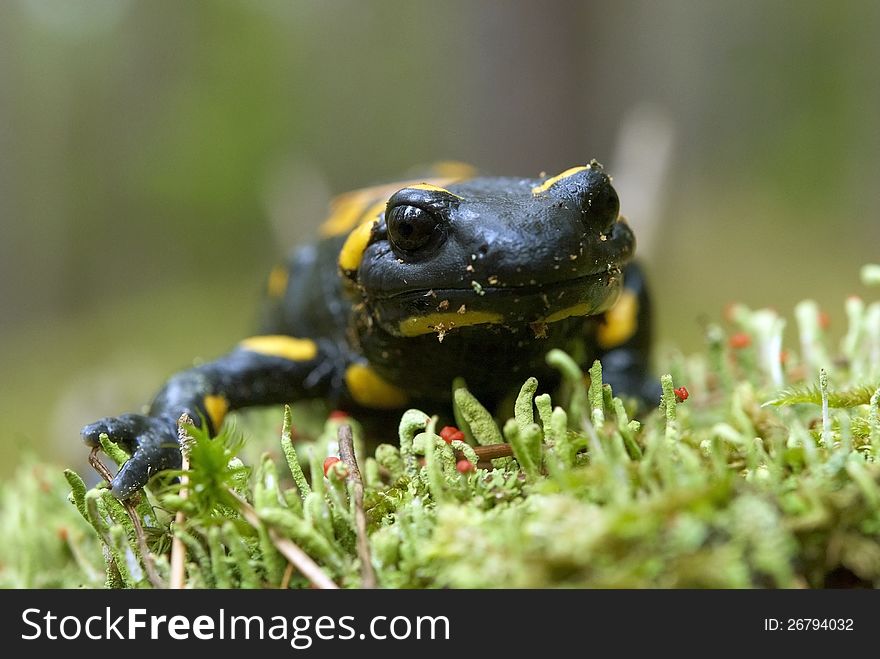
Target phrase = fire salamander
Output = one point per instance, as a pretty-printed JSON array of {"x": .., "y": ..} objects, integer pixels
[{"x": 412, "y": 285}]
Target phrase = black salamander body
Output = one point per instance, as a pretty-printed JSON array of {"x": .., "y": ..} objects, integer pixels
[{"x": 412, "y": 285}]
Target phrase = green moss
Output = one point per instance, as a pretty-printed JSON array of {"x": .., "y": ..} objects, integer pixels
[{"x": 763, "y": 477}]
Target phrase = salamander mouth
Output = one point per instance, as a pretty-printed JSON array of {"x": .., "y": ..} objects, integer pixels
[
  {"x": 511, "y": 300},
  {"x": 413, "y": 313}
]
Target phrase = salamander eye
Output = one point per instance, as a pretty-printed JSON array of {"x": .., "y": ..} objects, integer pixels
[{"x": 411, "y": 227}]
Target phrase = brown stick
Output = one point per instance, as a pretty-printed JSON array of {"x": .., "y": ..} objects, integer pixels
[
  {"x": 146, "y": 554},
  {"x": 98, "y": 466},
  {"x": 178, "y": 548},
  {"x": 129, "y": 505},
  {"x": 346, "y": 452},
  {"x": 285, "y": 579},
  {"x": 289, "y": 549},
  {"x": 492, "y": 451}
]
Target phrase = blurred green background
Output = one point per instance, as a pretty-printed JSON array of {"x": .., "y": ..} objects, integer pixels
[{"x": 157, "y": 157}]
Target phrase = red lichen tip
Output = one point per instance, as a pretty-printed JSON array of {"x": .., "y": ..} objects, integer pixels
[
  {"x": 740, "y": 340},
  {"x": 337, "y": 415},
  {"x": 824, "y": 320},
  {"x": 450, "y": 434},
  {"x": 464, "y": 466},
  {"x": 328, "y": 464},
  {"x": 681, "y": 394}
]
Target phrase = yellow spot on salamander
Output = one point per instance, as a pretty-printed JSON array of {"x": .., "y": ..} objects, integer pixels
[
  {"x": 373, "y": 212},
  {"x": 277, "y": 284},
  {"x": 347, "y": 210},
  {"x": 370, "y": 389},
  {"x": 445, "y": 321},
  {"x": 216, "y": 406},
  {"x": 432, "y": 188},
  {"x": 353, "y": 249},
  {"x": 581, "y": 309},
  {"x": 297, "y": 350},
  {"x": 621, "y": 321},
  {"x": 540, "y": 189}
]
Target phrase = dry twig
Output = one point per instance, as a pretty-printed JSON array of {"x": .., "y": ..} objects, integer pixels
[
  {"x": 346, "y": 452},
  {"x": 285, "y": 579},
  {"x": 178, "y": 548},
  {"x": 130, "y": 507},
  {"x": 289, "y": 549}
]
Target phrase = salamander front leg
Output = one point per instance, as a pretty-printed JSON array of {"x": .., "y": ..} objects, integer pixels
[{"x": 262, "y": 370}]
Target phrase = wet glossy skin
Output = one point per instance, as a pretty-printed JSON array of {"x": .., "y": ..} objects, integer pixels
[{"x": 413, "y": 285}]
